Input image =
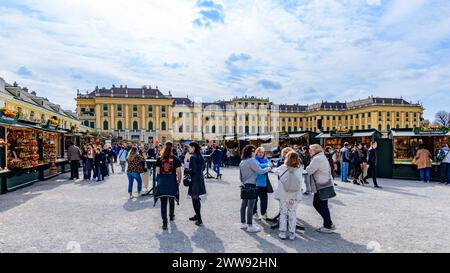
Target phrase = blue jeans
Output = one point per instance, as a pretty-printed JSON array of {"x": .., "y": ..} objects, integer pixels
[
  {"x": 445, "y": 172},
  {"x": 98, "y": 171},
  {"x": 90, "y": 166},
  {"x": 216, "y": 168},
  {"x": 131, "y": 178},
  {"x": 344, "y": 171},
  {"x": 425, "y": 174}
]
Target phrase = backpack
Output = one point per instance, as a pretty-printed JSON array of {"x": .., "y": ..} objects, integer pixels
[
  {"x": 292, "y": 184},
  {"x": 442, "y": 155}
]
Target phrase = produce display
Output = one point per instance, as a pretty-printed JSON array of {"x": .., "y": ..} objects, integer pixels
[
  {"x": 49, "y": 150},
  {"x": 23, "y": 149}
]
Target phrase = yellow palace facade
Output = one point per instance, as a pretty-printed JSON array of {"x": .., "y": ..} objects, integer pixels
[
  {"x": 144, "y": 114},
  {"x": 34, "y": 108}
]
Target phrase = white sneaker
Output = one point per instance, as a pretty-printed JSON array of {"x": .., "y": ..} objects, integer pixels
[
  {"x": 265, "y": 217},
  {"x": 244, "y": 226},
  {"x": 292, "y": 236},
  {"x": 282, "y": 235},
  {"x": 325, "y": 230},
  {"x": 253, "y": 229}
]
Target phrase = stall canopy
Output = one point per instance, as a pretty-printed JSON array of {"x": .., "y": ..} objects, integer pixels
[
  {"x": 297, "y": 135},
  {"x": 354, "y": 134},
  {"x": 409, "y": 133},
  {"x": 260, "y": 137}
]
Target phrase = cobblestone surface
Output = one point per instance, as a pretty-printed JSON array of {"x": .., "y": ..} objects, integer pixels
[{"x": 62, "y": 216}]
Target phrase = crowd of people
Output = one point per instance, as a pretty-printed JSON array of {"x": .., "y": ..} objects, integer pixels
[{"x": 300, "y": 171}]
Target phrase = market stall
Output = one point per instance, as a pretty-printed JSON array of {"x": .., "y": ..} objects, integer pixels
[
  {"x": 405, "y": 143},
  {"x": 29, "y": 153},
  {"x": 301, "y": 138}
]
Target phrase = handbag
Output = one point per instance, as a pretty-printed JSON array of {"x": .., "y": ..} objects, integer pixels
[
  {"x": 187, "y": 180},
  {"x": 327, "y": 192},
  {"x": 248, "y": 191}
]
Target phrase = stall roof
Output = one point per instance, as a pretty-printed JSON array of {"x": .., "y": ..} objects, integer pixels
[
  {"x": 18, "y": 125},
  {"x": 408, "y": 133},
  {"x": 229, "y": 138},
  {"x": 355, "y": 134},
  {"x": 262, "y": 137},
  {"x": 297, "y": 135}
]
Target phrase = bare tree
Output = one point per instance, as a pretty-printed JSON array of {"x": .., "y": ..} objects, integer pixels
[{"x": 442, "y": 118}]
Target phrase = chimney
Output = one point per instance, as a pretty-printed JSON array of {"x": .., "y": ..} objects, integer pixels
[
  {"x": 34, "y": 93},
  {"x": 25, "y": 89},
  {"x": 15, "y": 84}
]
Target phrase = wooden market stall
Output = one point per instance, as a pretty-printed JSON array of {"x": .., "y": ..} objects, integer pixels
[
  {"x": 405, "y": 143},
  {"x": 29, "y": 154}
]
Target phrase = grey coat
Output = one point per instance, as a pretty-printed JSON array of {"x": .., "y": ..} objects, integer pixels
[
  {"x": 249, "y": 169},
  {"x": 73, "y": 153}
]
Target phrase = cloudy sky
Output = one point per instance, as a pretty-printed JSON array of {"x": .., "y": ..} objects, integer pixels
[{"x": 291, "y": 51}]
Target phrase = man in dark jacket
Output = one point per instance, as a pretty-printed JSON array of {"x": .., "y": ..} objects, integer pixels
[
  {"x": 372, "y": 162},
  {"x": 74, "y": 157}
]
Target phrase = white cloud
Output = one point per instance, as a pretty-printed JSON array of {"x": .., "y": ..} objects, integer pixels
[{"x": 345, "y": 51}]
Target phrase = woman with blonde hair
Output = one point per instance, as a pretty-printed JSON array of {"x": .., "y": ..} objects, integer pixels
[
  {"x": 289, "y": 193},
  {"x": 263, "y": 186},
  {"x": 319, "y": 169}
]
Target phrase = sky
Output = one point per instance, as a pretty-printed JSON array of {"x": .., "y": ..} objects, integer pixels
[{"x": 290, "y": 51}]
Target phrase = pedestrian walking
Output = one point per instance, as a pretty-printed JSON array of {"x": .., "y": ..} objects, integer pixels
[
  {"x": 197, "y": 186},
  {"x": 84, "y": 160},
  {"x": 134, "y": 170},
  {"x": 217, "y": 161},
  {"x": 372, "y": 159},
  {"x": 357, "y": 160},
  {"x": 74, "y": 156},
  {"x": 249, "y": 169},
  {"x": 289, "y": 193},
  {"x": 123, "y": 154},
  {"x": 345, "y": 161},
  {"x": 100, "y": 164},
  {"x": 262, "y": 185},
  {"x": 423, "y": 162},
  {"x": 90, "y": 162},
  {"x": 444, "y": 157},
  {"x": 169, "y": 175},
  {"x": 319, "y": 169}
]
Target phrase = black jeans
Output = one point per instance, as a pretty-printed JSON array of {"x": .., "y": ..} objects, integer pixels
[
  {"x": 372, "y": 172},
  {"x": 445, "y": 172},
  {"x": 74, "y": 165},
  {"x": 323, "y": 210},
  {"x": 357, "y": 171},
  {"x": 164, "y": 208},
  {"x": 262, "y": 195}
]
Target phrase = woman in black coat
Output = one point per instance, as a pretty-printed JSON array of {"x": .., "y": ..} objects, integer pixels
[{"x": 197, "y": 186}]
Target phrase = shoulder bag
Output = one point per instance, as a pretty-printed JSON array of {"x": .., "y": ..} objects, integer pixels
[{"x": 327, "y": 192}]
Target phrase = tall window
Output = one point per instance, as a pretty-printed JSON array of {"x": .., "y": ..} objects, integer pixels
[
  {"x": 105, "y": 125},
  {"x": 135, "y": 125},
  {"x": 150, "y": 110},
  {"x": 150, "y": 126},
  {"x": 180, "y": 129},
  {"x": 119, "y": 125},
  {"x": 119, "y": 110},
  {"x": 206, "y": 129},
  {"x": 163, "y": 125},
  {"x": 135, "y": 110},
  {"x": 163, "y": 111},
  {"x": 213, "y": 129}
]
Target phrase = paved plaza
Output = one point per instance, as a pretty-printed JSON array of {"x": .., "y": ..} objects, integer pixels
[{"x": 62, "y": 216}]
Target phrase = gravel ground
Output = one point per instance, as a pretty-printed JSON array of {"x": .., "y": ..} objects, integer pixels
[{"x": 62, "y": 216}]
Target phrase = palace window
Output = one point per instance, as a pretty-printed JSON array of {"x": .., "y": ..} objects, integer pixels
[
  {"x": 180, "y": 129},
  {"x": 150, "y": 125},
  {"x": 105, "y": 107},
  {"x": 135, "y": 110},
  {"x": 135, "y": 125},
  {"x": 163, "y": 125},
  {"x": 188, "y": 128},
  {"x": 119, "y": 125},
  {"x": 105, "y": 125},
  {"x": 207, "y": 129}
]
